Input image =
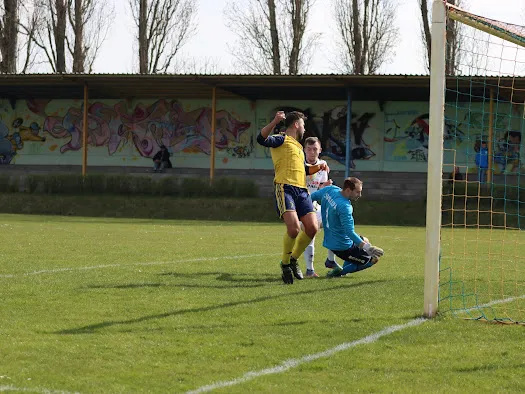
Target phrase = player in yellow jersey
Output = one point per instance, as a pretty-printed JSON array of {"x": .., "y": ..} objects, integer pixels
[{"x": 292, "y": 199}]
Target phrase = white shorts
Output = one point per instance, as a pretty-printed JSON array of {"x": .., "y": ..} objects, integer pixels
[{"x": 318, "y": 214}]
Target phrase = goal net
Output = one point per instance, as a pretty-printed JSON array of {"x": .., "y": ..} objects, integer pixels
[{"x": 475, "y": 261}]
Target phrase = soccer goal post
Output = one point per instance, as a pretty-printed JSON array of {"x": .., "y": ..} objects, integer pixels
[{"x": 474, "y": 267}]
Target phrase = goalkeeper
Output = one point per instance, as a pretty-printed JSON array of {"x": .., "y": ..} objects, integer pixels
[{"x": 339, "y": 234}]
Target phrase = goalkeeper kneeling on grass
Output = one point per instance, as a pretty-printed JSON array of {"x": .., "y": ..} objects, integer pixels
[{"x": 339, "y": 233}]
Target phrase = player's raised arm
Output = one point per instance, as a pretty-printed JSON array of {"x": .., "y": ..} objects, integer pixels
[
  {"x": 313, "y": 168},
  {"x": 266, "y": 130}
]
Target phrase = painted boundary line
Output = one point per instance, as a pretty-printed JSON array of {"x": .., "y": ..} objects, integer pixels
[
  {"x": 35, "y": 390},
  {"x": 294, "y": 362},
  {"x": 94, "y": 267},
  {"x": 287, "y": 364}
]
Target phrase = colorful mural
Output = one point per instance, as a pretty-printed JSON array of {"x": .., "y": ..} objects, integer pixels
[
  {"x": 390, "y": 136},
  {"x": 410, "y": 141},
  {"x": 407, "y": 132},
  {"x": 113, "y": 126},
  {"x": 329, "y": 125}
]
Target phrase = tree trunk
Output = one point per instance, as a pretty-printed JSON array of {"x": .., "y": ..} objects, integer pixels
[
  {"x": 9, "y": 37},
  {"x": 358, "y": 43},
  {"x": 451, "y": 48},
  {"x": 297, "y": 28},
  {"x": 60, "y": 35},
  {"x": 366, "y": 35},
  {"x": 276, "y": 56},
  {"x": 79, "y": 57},
  {"x": 143, "y": 37},
  {"x": 426, "y": 28}
]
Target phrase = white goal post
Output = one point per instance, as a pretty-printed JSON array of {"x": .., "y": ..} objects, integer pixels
[{"x": 435, "y": 158}]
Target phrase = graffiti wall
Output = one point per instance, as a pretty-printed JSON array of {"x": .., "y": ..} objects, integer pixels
[
  {"x": 390, "y": 136},
  {"x": 121, "y": 132},
  {"x": 466, "y": 126},
  {"x": 328, "y": 121}
]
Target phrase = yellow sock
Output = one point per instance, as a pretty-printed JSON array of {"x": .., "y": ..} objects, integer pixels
[
  {"x": 301, "y": 243},
  {"x": 287, "y": 248}
]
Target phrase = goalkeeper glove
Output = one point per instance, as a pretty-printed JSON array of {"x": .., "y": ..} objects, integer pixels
[{"x": 373, "y": 251}]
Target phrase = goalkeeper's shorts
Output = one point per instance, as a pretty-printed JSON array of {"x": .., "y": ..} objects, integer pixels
[{"x": 353, "y": 255}]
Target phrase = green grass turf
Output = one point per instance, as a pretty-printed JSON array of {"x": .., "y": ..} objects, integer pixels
[{"x": 129, "y": 305}]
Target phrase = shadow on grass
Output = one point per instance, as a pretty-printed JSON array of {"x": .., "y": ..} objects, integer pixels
[
  {"x": 153, "y": 285},
  {"x": 488, "y": 367},
  {"x": 229, "y": 277},
  {"x": 93, "y": 328},
  {"x": 240, "y": 280}
]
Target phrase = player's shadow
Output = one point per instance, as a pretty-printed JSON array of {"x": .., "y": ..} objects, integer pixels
[
  {"x": 240, "y": 280},
  {"x": 229, "y": 277},
  {"x": 128, "y": 286},
  {"x": 93, "y": 328}
]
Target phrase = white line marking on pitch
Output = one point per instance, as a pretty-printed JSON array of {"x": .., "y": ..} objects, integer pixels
[
  {"x": 294, "y": 362},
  {"x": 35, "y": 390},
  {"x": 491, "y": 303},
  {"x": 57, "y": 270}
]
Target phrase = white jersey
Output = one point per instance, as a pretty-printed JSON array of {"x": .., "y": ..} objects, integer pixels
[{"x": 314, "y": 181}]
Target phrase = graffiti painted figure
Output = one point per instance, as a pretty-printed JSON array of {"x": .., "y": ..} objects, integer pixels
[
  {"x": 10, "y": 144},
  {"x": 416, "y": 136},
  {"x": 7, "y": 152},
  {"x": 330, "y": 129},
  {"x": 507, "y": 152}
]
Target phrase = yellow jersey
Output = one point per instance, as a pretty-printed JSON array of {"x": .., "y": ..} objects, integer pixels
[{"x": 288, "y": 159}]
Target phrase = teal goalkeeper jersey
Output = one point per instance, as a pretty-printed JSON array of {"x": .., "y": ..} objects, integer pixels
[{"x": 338, "y": 220}]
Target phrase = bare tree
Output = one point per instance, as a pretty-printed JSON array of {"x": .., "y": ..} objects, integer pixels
[
  {"x": 19, "y": 21},
  {"x": 274, "y": 35},
  {"x": 366, "y": 34},
  {"x": 9, "y": 35},
  {"x": 454, "y": 37},
  {"x": 425, "y": 30},
  {"x": 164, "y": 26},
  {"x": 187, "y": 64},
  {"x": 89, "y": 22},
  {"x": 271, "y": 34},
  {"x": 28, "y": 26},
  {"x": 71, "y": 32}
]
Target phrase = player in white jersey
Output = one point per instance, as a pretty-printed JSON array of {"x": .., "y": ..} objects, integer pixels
[{"x": 312, "y": 149}]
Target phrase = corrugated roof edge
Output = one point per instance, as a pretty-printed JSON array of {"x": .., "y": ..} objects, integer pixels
[{"x": 87, "y": 75}]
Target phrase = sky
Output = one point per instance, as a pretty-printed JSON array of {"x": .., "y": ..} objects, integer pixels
[{"x": 212, "y": 36}]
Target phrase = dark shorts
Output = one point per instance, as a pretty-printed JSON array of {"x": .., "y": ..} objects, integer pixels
[
  {"x": 353, "y": 255},
  {"x": 292, "y": 198}
]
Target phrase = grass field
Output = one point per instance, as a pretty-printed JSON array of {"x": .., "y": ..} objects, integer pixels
[{"x": 98, "y": 305}]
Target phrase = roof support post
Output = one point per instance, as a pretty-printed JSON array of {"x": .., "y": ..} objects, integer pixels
[
  {"x": 212, "y": 131},
  {"x": 348, "y": 153},
  {"x": 85, "y": 131}
]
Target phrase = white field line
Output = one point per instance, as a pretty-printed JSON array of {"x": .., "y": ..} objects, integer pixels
[
  {"x": 94, "y": 267},
  {"x": 34, "y": 390},
  {"x": 294, "y": 362},
  {"x": 285, "y": 365},
  {"x": 491, "y": 303}
]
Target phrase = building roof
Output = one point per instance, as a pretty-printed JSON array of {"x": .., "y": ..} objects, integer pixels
[{"x": 250, "y": 87}]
